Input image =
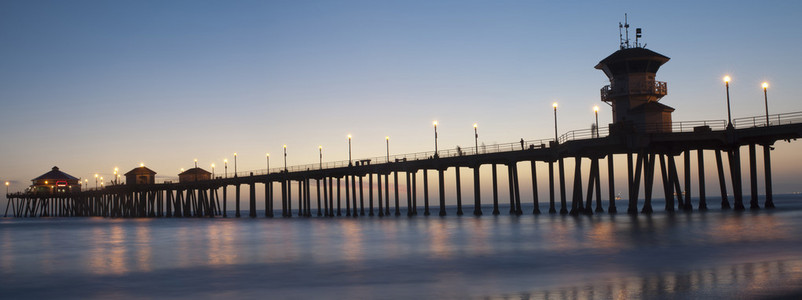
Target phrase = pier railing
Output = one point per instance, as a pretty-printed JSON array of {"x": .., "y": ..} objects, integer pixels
[
  {"x": 773, "y": 120},
  {"x": 581, "y": 134},
  {"x": 455, "y": 152}
]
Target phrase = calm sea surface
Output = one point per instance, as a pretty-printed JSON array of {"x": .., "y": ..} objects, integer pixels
[{"x": 699, "y": 255}]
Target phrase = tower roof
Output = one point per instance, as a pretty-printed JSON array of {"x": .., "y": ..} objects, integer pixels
[
  {"x": 55, "y": 174},
  {"x": 632, "y": 54},
  {"x": 195, "y": 171},
  {"x": 140, "y": 171}
]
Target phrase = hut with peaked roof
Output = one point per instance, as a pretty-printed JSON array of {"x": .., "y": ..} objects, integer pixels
[
  {"x": 54, "y": 182},
  {"x": 194, "y": 174},
  {"x": 140, "y": 175}
]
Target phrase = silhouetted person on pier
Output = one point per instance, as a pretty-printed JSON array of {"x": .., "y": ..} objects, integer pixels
[{"x": 522, "y": 143}]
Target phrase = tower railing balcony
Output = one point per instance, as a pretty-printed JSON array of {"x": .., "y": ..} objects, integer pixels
[{"x": 653, "y": 87}]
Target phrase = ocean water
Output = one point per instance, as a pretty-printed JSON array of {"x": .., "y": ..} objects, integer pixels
[{"x": 698, "y": 255}]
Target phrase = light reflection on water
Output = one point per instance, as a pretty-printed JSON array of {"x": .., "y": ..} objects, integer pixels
[{"x": 697, "y": 255}]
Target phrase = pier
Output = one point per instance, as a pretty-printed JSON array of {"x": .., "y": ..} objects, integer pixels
[{"x": 332, "y": 183}]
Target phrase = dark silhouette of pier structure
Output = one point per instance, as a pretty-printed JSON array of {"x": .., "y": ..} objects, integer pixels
[{"x": 642, "y": 131}]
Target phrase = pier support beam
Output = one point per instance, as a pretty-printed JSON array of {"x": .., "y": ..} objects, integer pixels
[
  {"x": 634, "y": 184},
  {"x": 510, "y": 181},
  {"x": 563, "y": 201},
  {"x": 426, "y": 192},
  {"x": 611, "y": 208},
  {"x": 701, "y": 166},
  {"x": 361, "y": 197},
  {"x": 535, "y": 202},
  {"x": 477, "y": 200},
  {"x": 252, "y": 200},
  {"x": 576, "y": 199},
  {"x": 409, "y": 194},
  {"x": 648, "y": 184},
  {"x": 387, "y": 194},
  {"x": 347, "y": 197},
  {"x": 459, "y": 191},
  {"x": 355, "y": 213},
  {"x": 753, "y": 202},
  {"x": 395, "y": 181},
  {"x": 415, "y": 192},
  {"x": 769, "y": 202},
  {"x": 495, "y": 190},
  {"x": 552, "y": 208},
  {"x": 442, "y": 192},
  {"x": 725, "y": 204},
  {"x": 225, "y": 209},
  {"x": 237, "y": 214},
  {"x": 379, "y": 186},
  {"x": 339, "y": 212},
  {"x": 735, "y": 175},
  {"x": 317, "y": 184},
  {"x": 370, "y": 194},
  {"x": 518, "y": 210},
  {"x": 686, "y": 156}
]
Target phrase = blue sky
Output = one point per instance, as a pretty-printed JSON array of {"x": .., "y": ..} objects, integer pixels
[{"x": 90, "y": 85}]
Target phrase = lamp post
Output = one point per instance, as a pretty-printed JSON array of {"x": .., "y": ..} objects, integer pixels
[
  {"x": 320, "y": 149},
  {"x": 285, "y": 157},
  {"x": 387, "y": 141},
  {"x": 476, "y": 137},
  {"x": 596, "y": 112},
  {"x": 212, "y": 170},
  {"x": 235, "y": 164},
  {"x": 196, "y": 163},
  {"x": 729, "y": 113},
  {"x": 116, "y": 177},
  {"x": 7, "y": 183},
  {"x": 435, "y": 138},
  {"x": 96, "y": 176},
  {"x": 766, "y": 100},
  {"x": 225, "y": 166},
  {"x": 555, "y": 121},
  {"x": 267, "y": 156},
  {"x": 86, "y": 183},
  {"x": 349, "y": 150}
]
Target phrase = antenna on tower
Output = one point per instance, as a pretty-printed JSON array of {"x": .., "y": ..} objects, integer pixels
[
  {"x": 626, "y": 29},
  {"x": 637, "y": 37},
  {"x": 620, "y": 36}
]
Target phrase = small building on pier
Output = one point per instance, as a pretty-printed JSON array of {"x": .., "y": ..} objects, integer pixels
[
  {"x": 55, "y": 182},
  {"x": 141, "y": 175},
  {"x": 194, "y": 174}
]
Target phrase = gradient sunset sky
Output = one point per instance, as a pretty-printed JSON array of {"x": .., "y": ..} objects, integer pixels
[{"x": 93, "y": 85}]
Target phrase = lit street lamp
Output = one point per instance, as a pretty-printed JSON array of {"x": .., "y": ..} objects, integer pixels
[
  {"x": 267, "y": 156},
  {"x": 196, "y": 163},
  {"x": 766, "y": 100},
  {"x": 555, "y": 121},
  {"x": 435, "y": 138},
  {"x": 96, "y": 176},
  {"x": 596, "y": 112},
  {"x": 225, "y": 166},
  {"x": 729, "y": 113},
  {"x": 7, "y": 183},
  {"x": 212, "y": 170},
  {"x": 387, "y": 140},
  {"x": 285, "y": 158},
  {"x": 235, "y": 164}
]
